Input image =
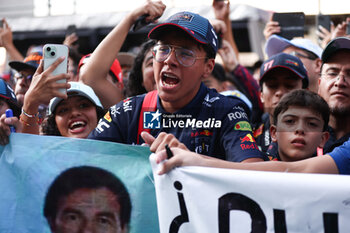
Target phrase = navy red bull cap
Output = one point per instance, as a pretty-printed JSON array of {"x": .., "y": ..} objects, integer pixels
[
  {"x": 193, "y": 24},
  {"x": 7, "y": 94},
  {"x": 286, "y": 61}
]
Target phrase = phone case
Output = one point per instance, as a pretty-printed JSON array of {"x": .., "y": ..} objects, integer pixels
[
  {"x": 51, "y": 53},
  {"x": 292, "y": 24},
  {"x": 324, "y": 21}
]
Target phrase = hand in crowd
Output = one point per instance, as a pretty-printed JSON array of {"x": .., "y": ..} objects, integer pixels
[
  {"x": 158, "y": 144},
  {"x": 218, "y": 25},
  {"x": 271, "y": 27},
  {"x": 340, "y": 29},
  {"x": 5, "y": 123},
  {"x": 6, "y": 41},
  {"x": 180, "y": 158},
  {"x": 221, "y": 9},
  {"x": 154, "y": 9},
  {"x": 70, "y": 40},
  {"x": 228, "y": 56},
  {"x": 324, "y": 35},
  {"x": 5, "y": 35},
  {"x": 44, "y": 87}
]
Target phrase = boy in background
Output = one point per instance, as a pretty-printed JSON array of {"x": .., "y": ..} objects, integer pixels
[{"x": 299, "y": 125}]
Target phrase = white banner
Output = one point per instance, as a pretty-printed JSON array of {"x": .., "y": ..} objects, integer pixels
[{"x": 210, "y": 200}]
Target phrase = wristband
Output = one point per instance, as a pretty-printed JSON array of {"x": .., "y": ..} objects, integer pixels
[
  {"x": 30, "y": 116},
  {"x": 24, "y": 122}
]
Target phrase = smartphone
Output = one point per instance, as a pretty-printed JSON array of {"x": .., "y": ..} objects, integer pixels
[
  {"x": 324, "y": 21},
  {"x": 71, "y": 29},
  {"x": 1, "y": 23},
  {"x": 292, "y": 24},
  {"x": 348, "y": 29},
  {"x": 51, "y": 53}
]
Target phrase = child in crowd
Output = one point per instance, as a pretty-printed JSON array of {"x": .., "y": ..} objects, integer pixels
[
  {"x": 280, "y": 74},
  {"x": 299, "y": 125}
]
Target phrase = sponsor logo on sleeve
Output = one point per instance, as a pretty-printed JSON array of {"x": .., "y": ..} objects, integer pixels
[
  {"x": 107, "y": 117},
  {"x": 233, "y": 116},
  {"x": 101, "y": 126},
  {"x": 248, "y": 142},
  {"x": 115, "y": 110},
  {"x": 243, "y": 126},
  {"x": 127, "y": 105}
]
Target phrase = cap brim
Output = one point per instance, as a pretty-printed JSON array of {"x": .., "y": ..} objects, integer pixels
[
  {"x": 19, "y": 66},
  {"x": 276, "y": 44},
  {"x": 73, "y": 92},
  {"x": 335, "y": 45},
  {"x": 158, "y": 30},
  {"x": 304, "y": 79}
]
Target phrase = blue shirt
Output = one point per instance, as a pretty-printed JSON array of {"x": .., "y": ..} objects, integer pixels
[
  {"x": 341, "y": 156},
  {"x": 211, "y": 124}
]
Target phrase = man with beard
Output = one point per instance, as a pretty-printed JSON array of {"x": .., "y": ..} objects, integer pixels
[{"x": 334, "y": 87}]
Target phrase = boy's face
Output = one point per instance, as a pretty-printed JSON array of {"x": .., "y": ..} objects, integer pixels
[
  {"x": 176, "y": 84},
  {"x": 299, "y": 132},
  {"x": 277, "y": 83}
]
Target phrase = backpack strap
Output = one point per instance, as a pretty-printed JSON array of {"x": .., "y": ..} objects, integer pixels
[{"x": 149, "y": 104}]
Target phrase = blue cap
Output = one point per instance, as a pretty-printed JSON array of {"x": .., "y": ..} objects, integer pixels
[
  {"x": 193, "y": 24},
  {"x": 9, "y": 96},
  {"x": 286, "y": 61}
]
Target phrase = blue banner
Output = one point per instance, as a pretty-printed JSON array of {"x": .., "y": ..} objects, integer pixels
[{"x": 29, "y": 164}]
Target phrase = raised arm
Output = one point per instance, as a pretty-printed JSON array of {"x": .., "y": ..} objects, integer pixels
[
  {"x": 222, "y": 12},
  {"x": 321, "y": 164},
  {"x": 43, "y": 87},
  {"x": 6, "y": 41},
  {"x": 94, "y": 72}
]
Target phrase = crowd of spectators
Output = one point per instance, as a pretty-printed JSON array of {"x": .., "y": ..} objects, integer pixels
[{"x": 293, "y": 114}]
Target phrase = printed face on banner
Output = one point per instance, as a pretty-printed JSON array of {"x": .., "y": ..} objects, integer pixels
[{"x": 93, "y": 210}]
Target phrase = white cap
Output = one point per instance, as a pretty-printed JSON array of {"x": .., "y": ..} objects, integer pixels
[
  {"x": 76, "y": 89},
  {"x": 276, "y": 44}
]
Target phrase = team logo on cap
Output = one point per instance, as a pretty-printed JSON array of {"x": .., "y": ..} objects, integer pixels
[
  {"x": 268, "y": 65},
  {"x": 292, "y": 62},
  {"x": 183, "y": 16}
]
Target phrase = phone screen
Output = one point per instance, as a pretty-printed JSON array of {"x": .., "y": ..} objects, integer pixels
[{"x": 292, "y": 24}]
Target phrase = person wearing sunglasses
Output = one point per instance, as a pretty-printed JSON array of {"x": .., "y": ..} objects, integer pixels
[
  {"x": 203, "y": 120},
  {"x": 306, "y": 50}
]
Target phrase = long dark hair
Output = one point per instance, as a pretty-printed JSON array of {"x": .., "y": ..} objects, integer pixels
[{"x": 134, "y": 86}]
